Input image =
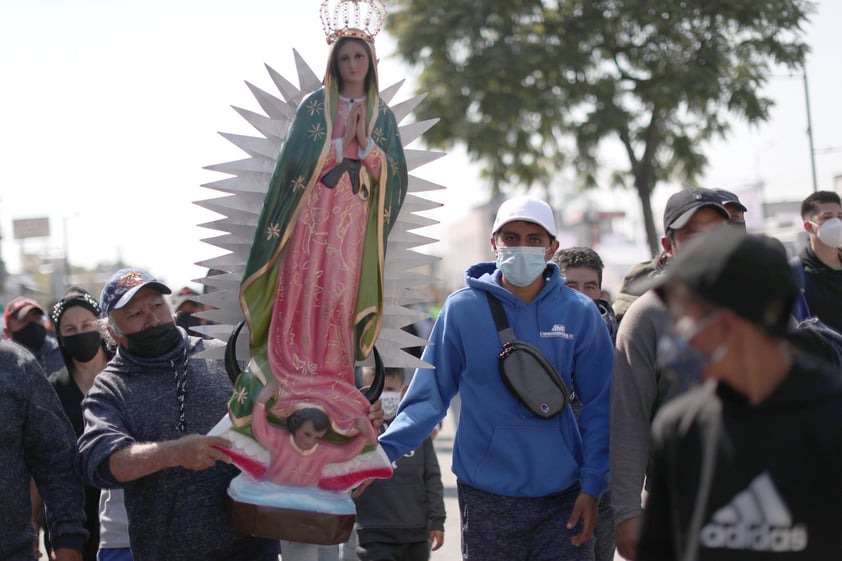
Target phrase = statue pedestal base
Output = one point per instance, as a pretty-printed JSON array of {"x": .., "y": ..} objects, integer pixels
[{"x": 290, "y": 524}]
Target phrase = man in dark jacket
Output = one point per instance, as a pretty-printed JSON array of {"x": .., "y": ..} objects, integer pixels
[
  {"x": 640, "y": 384},
  {"x": 822, "y": 258},
  {"x": 746, "y": 465},
  {"x": 582, "y": 269},
  {"x": 37, "y": 442}
]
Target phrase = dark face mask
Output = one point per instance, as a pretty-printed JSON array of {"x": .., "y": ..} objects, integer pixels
[
  {"x": 31, "y": 336},
  {"x": 154, "y": 341},
  {"x": 82, "y": 346},
  {"x": 187, "y": 321}
]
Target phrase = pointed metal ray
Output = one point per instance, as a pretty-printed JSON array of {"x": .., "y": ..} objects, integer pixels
[
  {"x": 306, "y": 77},
  {"x": 236, "y": 221},
  {"x": 402, "y": 339},
  {"x": 220, "y": 299},
  {"x": 274, "y": 107},
  {"x": 404, "y": 236},
  {"x": 417, "y": 158},
  {"x": 404, "y": 108},
  {"x": 410, "y": 298},
  {"x": 230, "y": 227},
  {"x": 225, "y": 281},
  {"x": 223, "y": 205},
  {"x": 290, "y": 93},
  {"x": 387, "y": 94},
  {"x": 231, "y": 243},
  {"x": 401, "y": 316},
  {"x": 414, "y": 259},
  {"x": 270, "y": 128},
  {"x": 230, "y": 316},
  {"x": 413, "y": 131},
  {"x": 218, "y": 281},
  {"x": 253, "y": 165},
  {"x": 227, "y": 262},
  {"x": 254, "y": 146},
  {"x": 411, "y": 220},
  {"x": 418, "y": 185},
  {"x": 419, "y": 204},
  {"x": 242, "y": 183}
]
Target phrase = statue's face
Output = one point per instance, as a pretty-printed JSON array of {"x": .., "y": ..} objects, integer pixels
[
  {"x": 353, "y": 63},
  {"x": 307, "y": 436}
]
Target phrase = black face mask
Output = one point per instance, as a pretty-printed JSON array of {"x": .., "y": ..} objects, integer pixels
[
  {"x": 31, "y": 336},
  {"x": 187, "y": 321},
  {"x": 82, "y": 346},
  {"x": 154, "y": 341}
]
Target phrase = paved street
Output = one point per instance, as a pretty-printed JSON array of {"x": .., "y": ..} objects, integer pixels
[{"x": 451, "y": 550}]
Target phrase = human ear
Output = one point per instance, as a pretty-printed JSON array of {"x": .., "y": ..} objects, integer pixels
[
  {"x": 552, "y": 249},
  {"x": 666, "y": 244}
]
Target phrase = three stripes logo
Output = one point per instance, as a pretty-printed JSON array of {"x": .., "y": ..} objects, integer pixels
[{"x": 757, "y": 520}]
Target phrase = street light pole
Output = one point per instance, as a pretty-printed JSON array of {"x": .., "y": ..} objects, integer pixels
[
  {"x": 66, "y": 246},
  {"x": 810, "y": 131}
]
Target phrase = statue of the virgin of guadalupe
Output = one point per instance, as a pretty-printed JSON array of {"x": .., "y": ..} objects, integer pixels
[{"x": 312, "y": 291}]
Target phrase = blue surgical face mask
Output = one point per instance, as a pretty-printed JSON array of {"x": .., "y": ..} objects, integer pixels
[
  {"x": 521, "y": 265},
  {"x": 677, "y": 356}
]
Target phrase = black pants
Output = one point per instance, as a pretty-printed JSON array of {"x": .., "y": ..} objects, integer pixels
[{"x": 417, "y": 551}]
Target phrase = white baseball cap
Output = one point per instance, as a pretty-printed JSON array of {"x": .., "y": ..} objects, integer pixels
[{"x": 525, "y": 209}]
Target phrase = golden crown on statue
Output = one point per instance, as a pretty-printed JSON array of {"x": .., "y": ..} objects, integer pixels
[{"x": 362, "y": 19}]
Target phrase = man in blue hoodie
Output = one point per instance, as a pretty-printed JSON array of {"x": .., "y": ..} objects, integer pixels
[{"x": 528, "y": 486}]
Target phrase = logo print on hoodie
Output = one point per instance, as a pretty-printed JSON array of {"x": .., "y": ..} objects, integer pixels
[
  {"x": 757, "y": 519},
  {"x": 558, "y": 330}
]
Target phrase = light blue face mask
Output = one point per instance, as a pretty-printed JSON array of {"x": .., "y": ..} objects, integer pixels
[{"x": 521, "y": 265}]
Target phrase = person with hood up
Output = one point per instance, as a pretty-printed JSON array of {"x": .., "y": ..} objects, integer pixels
[{"x": 528, "y": 486}]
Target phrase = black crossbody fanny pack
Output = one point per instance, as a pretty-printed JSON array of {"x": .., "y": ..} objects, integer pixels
[{"x": 525, "y": 370}]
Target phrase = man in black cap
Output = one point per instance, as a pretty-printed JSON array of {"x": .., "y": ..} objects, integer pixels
[
  {"x": 639, "y": 383},
  {"x": 746, "y": 465},
  {"x": 734, "y": 206},
  {"x": 629, "y": 288}
]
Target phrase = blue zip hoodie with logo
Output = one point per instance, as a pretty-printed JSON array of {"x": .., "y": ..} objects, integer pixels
[{"x": 500, "y": 446}]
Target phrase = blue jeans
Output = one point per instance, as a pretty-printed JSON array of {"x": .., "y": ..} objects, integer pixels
[
  {"x": 114, "y": 554},
  {"x": 518, "y": 528}
]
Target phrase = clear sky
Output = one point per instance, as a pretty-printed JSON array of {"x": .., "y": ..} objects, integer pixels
[{"x": 109, "y": 111}]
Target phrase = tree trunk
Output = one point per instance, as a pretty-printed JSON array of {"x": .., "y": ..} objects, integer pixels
[
  {"x": 644, "y": 183},
  {"x": 644, "y": 192}
]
